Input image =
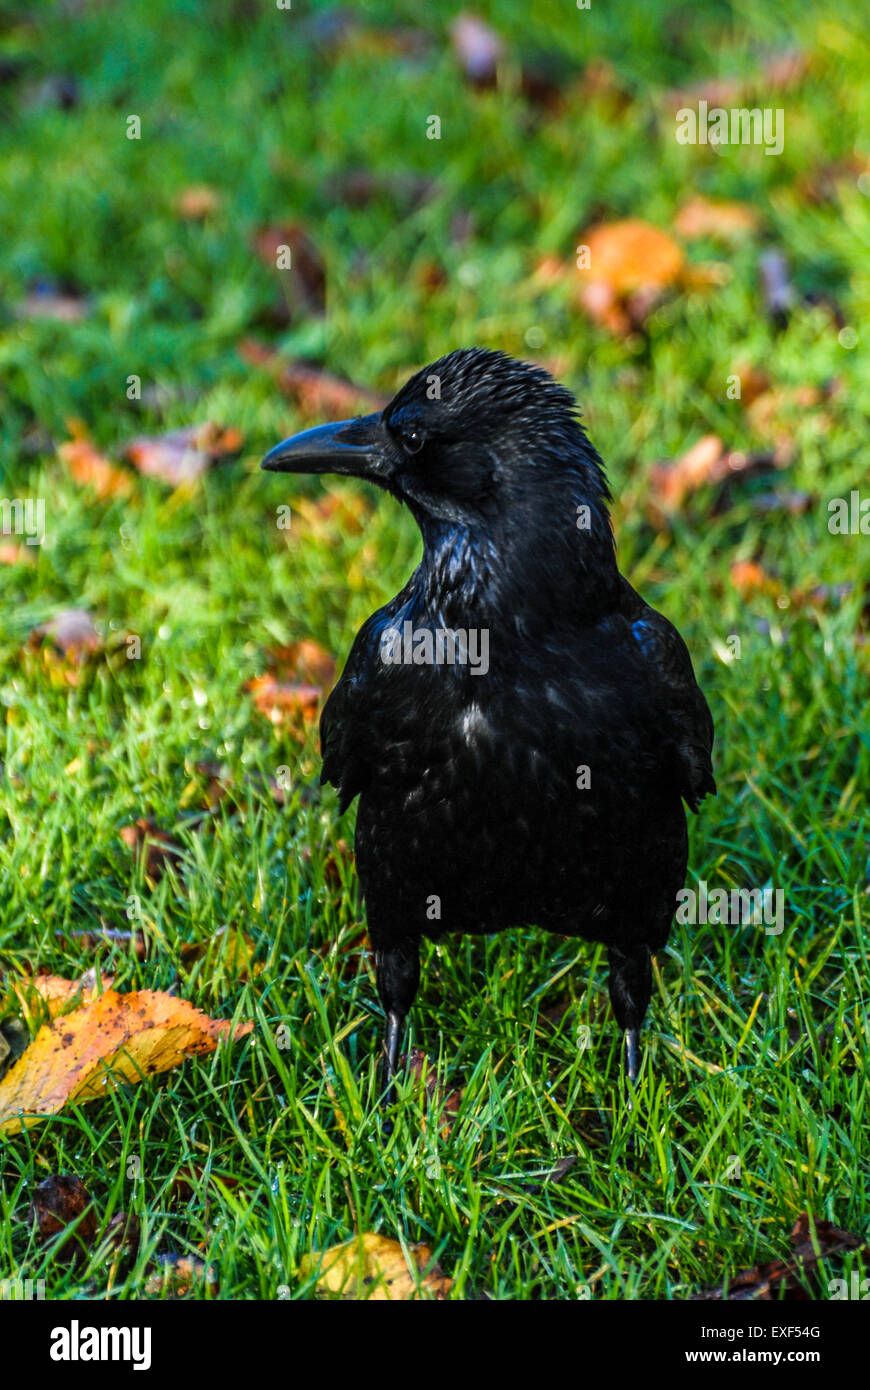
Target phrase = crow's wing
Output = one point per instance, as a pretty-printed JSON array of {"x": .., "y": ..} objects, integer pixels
[
  {"x": 343, "y": 727},
  {"x": 683, "y": 700}
]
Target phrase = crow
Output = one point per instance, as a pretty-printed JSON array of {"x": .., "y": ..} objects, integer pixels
[{"x": 520, "y": 726}]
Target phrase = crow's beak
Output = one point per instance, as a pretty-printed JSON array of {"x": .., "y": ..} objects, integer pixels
[{"x": 351, "y": 446}]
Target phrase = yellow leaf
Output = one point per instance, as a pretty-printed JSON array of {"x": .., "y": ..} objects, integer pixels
[
  {"x": 373, "y": 1266},
  {"x": 125, "y": 1036}
]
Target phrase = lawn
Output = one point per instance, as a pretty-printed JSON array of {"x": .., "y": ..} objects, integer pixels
[{"x": 254, "y": 121}]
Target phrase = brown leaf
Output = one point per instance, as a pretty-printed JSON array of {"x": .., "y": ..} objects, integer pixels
[
  {"x": 748, "y": 577},
  {"x": 160, "y": 850},
  {"x": 89, "y": 468},
  {"x": 125, "y": 1036},
  {"x": 444, "y": 1104},
  {"x": 705, "y": 464},
  {"x": 197, "y": 203},
  {"x": 315, "y": 391},
  {"x": 305, "y": 277},
  {"x": 182, "y": 456},
  {"x": 754, "y": 381},
  {"x": 789, "y": 1277},
  {"x": 305, "y": 660},
  {"x": 285, "y": 701},
  {"x": 60, "y": 1201},
  {"x": 66, "y": 644},
  {"x": 374, "y": 1267},
  {"x": 631, "y": 265},
  {"x": 632, "y": 255},
  {"x": 477, "y": 48},
  {"x": 719, "y": 218}
]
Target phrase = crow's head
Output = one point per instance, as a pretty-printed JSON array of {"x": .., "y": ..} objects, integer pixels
[{"x": 470, "y": 441}]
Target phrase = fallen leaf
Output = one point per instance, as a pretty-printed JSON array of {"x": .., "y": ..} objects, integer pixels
[
  {"x": 811, "y": 1241},
  {"x": 748, "y": 577},
  {"x": 159, "y": 849},
  {"x": 58, "y": 1202},
  {"x": 754, "y": 381},
  {"x": 305, "y": 276},
  {"x": 123, "y": 1036},
  {"x": 182, "y": 456},
  {"x": 305, "y": 660},
  {"x": 11, "y": 554},
  {"x": 705, "y": 464},
  {"x": 632, "y": 255},
  {"x": 197, "y": 203},
  {"x": 631, "y": 265},
  {"x": 285, "y": 701},
  {"x": 56, "y": 994},
  {"x": 316, "y": 392},
  {"x": 444, "y": 1104},
  {"x": 477, "y": 48},
  {"x": 89, "y": 468},
  {"x": 374, "y": 1267},
  {"x": 717, "y": 218},
  {"x": 71, "y": 631}
]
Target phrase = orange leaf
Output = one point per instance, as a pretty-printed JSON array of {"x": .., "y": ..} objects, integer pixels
[
  {"x": 87, "y": 466},
  {"x": 125, "y": 1036},
  {"x": 374, "y": 1267},
  {"x": 721, "y": 218}
]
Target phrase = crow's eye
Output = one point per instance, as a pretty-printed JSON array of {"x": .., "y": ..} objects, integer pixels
[{"x": 412, "y": 441}]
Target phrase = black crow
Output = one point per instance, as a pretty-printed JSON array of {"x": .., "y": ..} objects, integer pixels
[{"x": 521, "y": 728}]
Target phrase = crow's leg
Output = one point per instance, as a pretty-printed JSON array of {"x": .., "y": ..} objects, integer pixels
[
  {"x": 398, "y": 975},
  {"x": 630, "y": 989}
]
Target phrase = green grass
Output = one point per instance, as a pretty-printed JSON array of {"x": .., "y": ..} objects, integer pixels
[{"x": 756, "y": 1044}]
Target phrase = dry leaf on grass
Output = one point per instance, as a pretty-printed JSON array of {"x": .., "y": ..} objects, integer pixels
[
  {"x": 444, "y": 1105},
  {"x": 38, "y": 994},
  {"x": 125, "y": 1036},
  {"x": 182, "y": 456},
  {"x": 144, "y": 836},
  {"x": 300, "y": 265},
  {"x": 631, "y": 265},
  {"x": 748, "y": 577},
  {"x": 291, "y": 691},
  {"x": 811, "y": 1241},
  {"x": 12, "y": 554},
  {"x": 373, "y": 1266},
  {"x": 65, "y": 646},
  {"x": 318, "y": 393},
  {"x": 705, "y": 464},
  {"x": 60, "y": 1201},
  {"x": 89, "y": 468},
  {"x": 718, "y": 218},
  {"x": 196, "y": 203}
]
